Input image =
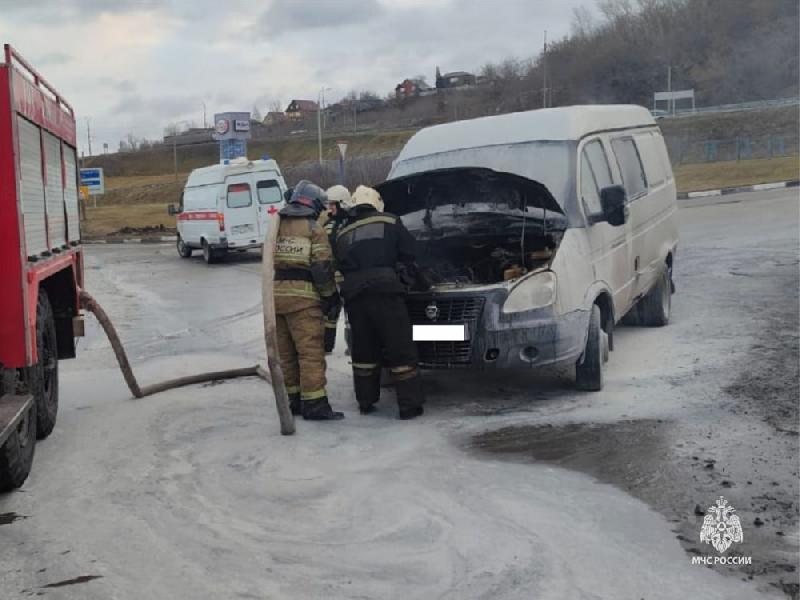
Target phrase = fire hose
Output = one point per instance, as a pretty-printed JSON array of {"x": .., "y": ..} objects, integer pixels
[{"x": 274, "y": 376}]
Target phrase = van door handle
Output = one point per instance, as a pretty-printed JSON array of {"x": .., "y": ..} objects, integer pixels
[{"x": 636, "y": 265}]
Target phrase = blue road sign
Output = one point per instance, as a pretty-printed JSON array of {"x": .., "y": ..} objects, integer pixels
[{"x": 94, "y": 180}]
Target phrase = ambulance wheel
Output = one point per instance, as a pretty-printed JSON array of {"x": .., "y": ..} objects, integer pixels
[
  {"x": 589, "y": 368},
  {"x": 183, "y": 250},
  {"x": 16, "y": 455},
  {"x": 208, "y": 254},
  {"x": 42, "y": 378}
]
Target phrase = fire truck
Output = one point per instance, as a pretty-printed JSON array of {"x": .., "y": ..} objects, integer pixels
[{"x": 41, "y": 259}]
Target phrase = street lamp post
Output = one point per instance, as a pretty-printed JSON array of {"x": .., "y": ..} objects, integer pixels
[{"x": 320, "y": 100}]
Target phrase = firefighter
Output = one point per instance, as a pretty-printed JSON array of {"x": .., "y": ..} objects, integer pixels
[
  {"x": 331, "y": 220},
  {"x": 369, "y": 248},
  {"x": 305, "y": 291}
]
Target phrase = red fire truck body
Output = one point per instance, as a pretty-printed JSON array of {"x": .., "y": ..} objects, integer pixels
[{"x": 41, "y": 260}]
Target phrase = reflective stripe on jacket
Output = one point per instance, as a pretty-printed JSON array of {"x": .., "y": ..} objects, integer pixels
[{"x": 302, "y": 244}]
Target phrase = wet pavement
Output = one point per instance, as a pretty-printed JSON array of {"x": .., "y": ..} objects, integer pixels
[{"x": 512, "y": 485}]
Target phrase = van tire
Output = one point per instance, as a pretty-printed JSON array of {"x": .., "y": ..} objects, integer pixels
[
  {"x": 183, "y": 250},
  {"x": 42, "y": 378},
  {"x": 16, "y": 455},
  {"x": 589, "y": 368},
  {"x": 654, "y": 309},
  {"x": 208, "y": 254}
]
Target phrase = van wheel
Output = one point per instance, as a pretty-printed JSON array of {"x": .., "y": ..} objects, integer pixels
[
  {"x": 655, "y": 307},
  {"x": 208, "y": 254},
  {"x": 16, "y": 455},
  {"x": 589, "y": 368},
  {"x": 42, "y": 378},
  {"x": 183, "y": 250}
]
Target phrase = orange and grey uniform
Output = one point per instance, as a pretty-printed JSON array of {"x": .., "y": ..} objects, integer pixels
[{"x": 303, "y": 276}]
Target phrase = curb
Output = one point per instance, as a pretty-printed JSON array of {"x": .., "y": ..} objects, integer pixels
[
  {"x": 758, "y": 187},
  {"x": 164, "y": 239}
]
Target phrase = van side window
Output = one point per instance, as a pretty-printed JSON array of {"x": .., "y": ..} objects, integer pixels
[
  {"x": 589, "y": 190},
  {"x": 599, "y": 163},
  {"x": 269, "y": 192},
  {"x": 651, "y": 158},
  {"x": 239, "y": 195},
  {"x": 630, "y": 165}
]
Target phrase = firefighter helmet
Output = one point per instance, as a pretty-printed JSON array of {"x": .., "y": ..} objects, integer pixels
[
  {"x": 369, "y": 196},
  {"x": 309, "y": 195}
]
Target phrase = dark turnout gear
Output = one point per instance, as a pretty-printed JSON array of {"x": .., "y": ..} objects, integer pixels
[
  {"x": 331, "y": 222},
  {"x": 303, "y": 282},
  {"x": 367, "y": 250}
]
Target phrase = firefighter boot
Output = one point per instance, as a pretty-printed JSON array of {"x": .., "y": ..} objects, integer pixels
[
  {"x": 295, "y": 404},
  {"x": 320, "y": 409},
  {"x": 410, "y": 397},
  {"x": 367, "y": 384}
]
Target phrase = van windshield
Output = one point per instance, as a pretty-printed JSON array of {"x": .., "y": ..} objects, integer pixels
[
  {"x": 269, "y": 192},
  {"x": 550, "y": 164}
]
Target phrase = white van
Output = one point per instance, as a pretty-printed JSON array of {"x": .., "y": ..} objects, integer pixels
[
  {"x": 539, "y": 231},
  {"x": 226, "y": 207}
]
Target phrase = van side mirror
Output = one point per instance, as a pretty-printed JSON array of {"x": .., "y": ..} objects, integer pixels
[
  {"x": 172, "y": 210},
  {"x": 613, "y": 199}
]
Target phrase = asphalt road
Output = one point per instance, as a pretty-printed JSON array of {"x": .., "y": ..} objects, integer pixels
[{"x": 510, "y": 486}]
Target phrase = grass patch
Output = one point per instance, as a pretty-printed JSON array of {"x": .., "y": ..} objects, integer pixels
[
  {"x": 733, "y": 173},
  {"x": 106, "y": 220},
  {"x": 141, "y": 201}
]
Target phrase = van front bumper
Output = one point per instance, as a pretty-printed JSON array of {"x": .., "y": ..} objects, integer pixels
[{"x": 496, "y": 340}]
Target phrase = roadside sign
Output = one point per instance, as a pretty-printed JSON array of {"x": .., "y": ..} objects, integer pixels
[
  {"x": 93, "y": 179},
  {"x": 342, "y": 148},
  {"x": 84, "y": 192}
]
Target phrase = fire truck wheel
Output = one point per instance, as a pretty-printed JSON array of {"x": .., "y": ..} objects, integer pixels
[
  {"x": 43, "y": 376},
  {"x": 16, "y": 455}
]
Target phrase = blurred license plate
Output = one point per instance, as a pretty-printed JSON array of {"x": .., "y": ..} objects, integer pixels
[
  {"x": 242, "y": 228},
  {"x": 440, "y": 333}
]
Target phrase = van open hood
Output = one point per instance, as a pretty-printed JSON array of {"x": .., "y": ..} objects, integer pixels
[{"x": 468, "y": 190}]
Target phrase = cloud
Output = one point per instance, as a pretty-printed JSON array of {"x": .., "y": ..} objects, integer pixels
[
  {"x": 286, "y": 16},
  {"x": 52, "y": 58}
]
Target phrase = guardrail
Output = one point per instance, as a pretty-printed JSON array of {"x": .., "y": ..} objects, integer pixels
[{"x": 758, "y": 104}]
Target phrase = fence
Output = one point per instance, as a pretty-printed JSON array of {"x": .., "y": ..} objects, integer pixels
[{"x": 682, "y": 150}]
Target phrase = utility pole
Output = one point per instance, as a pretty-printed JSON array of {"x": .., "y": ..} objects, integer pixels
[
  {"x": 544, "y": 72},
  {"x": 319, "y": 125},
  {"x": 671, "y": 105},
  {"x": 321, "y": 100},
  {"x": 89, "y": 135},
  {"x": 204, "y": 116}
]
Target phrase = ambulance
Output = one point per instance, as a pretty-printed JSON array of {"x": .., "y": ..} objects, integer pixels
[{"x": 226, "y": 207}]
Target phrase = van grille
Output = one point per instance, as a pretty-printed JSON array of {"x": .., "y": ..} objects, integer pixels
[{"x": 451, "y": 310}]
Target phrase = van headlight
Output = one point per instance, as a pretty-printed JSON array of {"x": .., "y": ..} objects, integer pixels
[{"x": 534, "y": 292}]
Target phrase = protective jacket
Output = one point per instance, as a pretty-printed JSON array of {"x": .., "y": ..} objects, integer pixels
[
  {"x": 303, "y": 261},
  {"x": 368, "y": 249}
]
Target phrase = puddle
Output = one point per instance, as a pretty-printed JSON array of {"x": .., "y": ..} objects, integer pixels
[{"x": 662, "y": 464}]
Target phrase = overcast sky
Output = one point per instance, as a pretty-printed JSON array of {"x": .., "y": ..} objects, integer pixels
[{"x": 137, "y": 65}]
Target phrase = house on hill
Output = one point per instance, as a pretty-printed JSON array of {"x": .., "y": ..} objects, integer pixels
[
  {"x": 411, "y": 88},
  {"x": 454, "y": 80},
  {"x": 299, "y": 109},
  {"x": 274, "y": 118}
]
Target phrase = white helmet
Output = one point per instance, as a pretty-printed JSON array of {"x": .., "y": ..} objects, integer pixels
[
  {"x": 340, "y": 195},
  {"x": 368, "y": 195}
]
